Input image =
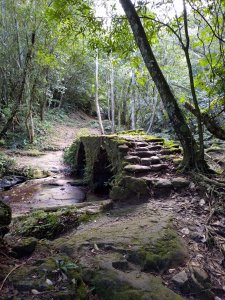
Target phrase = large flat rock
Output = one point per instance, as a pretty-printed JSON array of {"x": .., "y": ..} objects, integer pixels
[{"x": 131, "y": 240}]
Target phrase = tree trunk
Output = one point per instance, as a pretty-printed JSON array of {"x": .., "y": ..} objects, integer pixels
[
  {"x": 155, "y": 102},
  {"x": 133, "y": 101},
  {"x": 192, "y": 85},
  {"x": 112, "y": 95},
  {"x": 21, "y": 90},
  {"x": 96, "y": 96},
  {"x": 190, "y": 160}
]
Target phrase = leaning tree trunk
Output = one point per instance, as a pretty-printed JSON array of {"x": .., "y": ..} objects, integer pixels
[{"x": 181, "y": 128}]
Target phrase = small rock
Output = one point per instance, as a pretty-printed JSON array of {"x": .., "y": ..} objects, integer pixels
[
  {"x": 180, "y": 279},
  {"x": 202, "y": 202},
  {"x": 201, "y": 275},
  {"x": 185, "y": 231}
]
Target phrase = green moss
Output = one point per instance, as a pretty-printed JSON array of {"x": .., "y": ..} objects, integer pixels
[
  {"x": 48, "y": 225},
  {"x": 133, "y": 132},
  {"x": 170, "y": 144},
  {"x": 87, "y": 217},
  {"x": 149, "y": 138},
  {"x": 165, "y": 253},
  {"x": 108, "y": 286},
  {"x": 177, "y": 161},
  {"x": 120, "y": 141}
]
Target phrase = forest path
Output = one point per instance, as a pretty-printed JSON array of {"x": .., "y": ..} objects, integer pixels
[
  {"x": 59, "y": 188},
  {"x": 60, "y": 137}
]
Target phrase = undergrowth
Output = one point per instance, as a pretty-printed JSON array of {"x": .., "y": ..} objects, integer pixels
[{"x": 6, "y": 164}]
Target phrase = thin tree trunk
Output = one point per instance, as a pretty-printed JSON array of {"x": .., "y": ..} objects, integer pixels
[
  {"x": 181, "y": 128},
  {"x": 155, "y": 102},
  {"x": 133, "y": 101},
  {"x": 112, "y": 95},
  {"x": 96, "y": 96},
  {"x": 192, "y": 85},
  {"x": 108, "y": 97}
]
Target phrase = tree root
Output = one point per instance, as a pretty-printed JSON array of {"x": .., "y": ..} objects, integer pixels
[{"x": 7, "y": 276}]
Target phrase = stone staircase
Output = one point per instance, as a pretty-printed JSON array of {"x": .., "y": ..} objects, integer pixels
[{"x": 149, "y": 171}]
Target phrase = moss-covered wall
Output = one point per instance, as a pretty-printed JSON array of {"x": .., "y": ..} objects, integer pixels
[{"x": 114, "y": 146}]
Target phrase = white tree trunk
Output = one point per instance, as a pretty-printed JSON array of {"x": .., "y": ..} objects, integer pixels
[
  {"x": 133, "y": 101},
  {"x": 96, "y": 96},
  {"x": 112, "y": 96}
]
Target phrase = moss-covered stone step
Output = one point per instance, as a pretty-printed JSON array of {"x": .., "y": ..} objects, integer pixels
[
  {"x": 139, "y": 144},
  {"x": 137, "y": 169},
  {"x": 150, "y": 161},
  {"x": 171, "y": 151},
  {"x": 143, "y": 154}
]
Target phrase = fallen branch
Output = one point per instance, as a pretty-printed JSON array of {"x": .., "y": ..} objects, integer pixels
[{"x": 7, "y": 276}]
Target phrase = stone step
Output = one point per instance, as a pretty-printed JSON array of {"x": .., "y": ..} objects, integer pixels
[
  {"x": 123, "y": 148},
  {"x": 142, "y": 154},
  {"x": 140, "y": 144},
  {"x": 140, "y": 149},
  {"x": 150, "y": 161},
  {"x": 158, "y": 167},
  {"x": 170, "y": 151},
  {"x": 155, "y": 148},
  {"x": 132, "y": 159},
  {"x": 136, "y": 169}
]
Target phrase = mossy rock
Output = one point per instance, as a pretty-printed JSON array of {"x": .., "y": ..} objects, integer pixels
[
  {"x": 167, "y": 252},
  {"x": 58, "y": 276},
  {"x": 33, "y": 173},
  {"x": 136, "y": 185},
  {"x": 41, "y": 224},
  {"x": 110, "y": 285},
  {"x": 5, "y": 214},
  {"x": 5, "y": 218},
  {"x": 22, "y": 247},
  {"x": 120, "y": 193}
]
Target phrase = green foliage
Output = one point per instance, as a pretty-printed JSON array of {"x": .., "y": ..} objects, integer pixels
[
  {"x": 6, "y": 164},
  {"x": 70, "y": 153}
]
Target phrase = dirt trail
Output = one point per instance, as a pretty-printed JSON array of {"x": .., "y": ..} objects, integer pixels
[
  {"x": 58, "y": 189},
  {"x": 61, "y": 137}
]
